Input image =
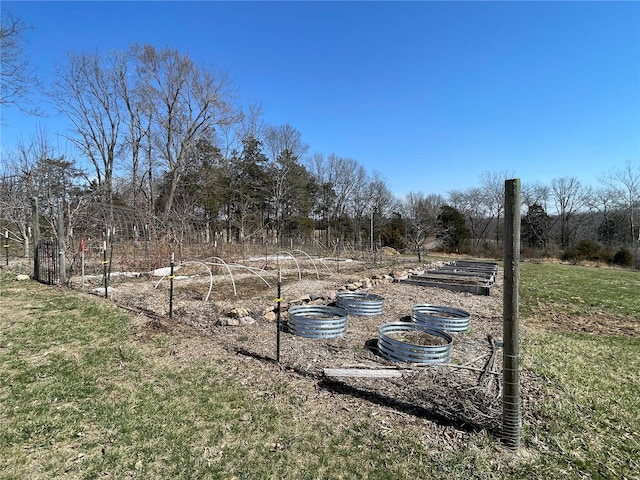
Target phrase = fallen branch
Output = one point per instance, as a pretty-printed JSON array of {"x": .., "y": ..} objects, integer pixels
[
  {"x": 485, "y": 380},
  {"x": 466, "y": 367}
]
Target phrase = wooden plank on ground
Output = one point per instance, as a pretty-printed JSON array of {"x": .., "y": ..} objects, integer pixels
[
  {"x": 476, "y": 289},
  {"x": 446, "y": 278},
  {"x": 364, "y": 372}
]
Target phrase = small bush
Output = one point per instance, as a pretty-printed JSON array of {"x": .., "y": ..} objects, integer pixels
[
  {"x": 623, "y": 257},
  {"x": 570, "y": 255},
  {"x": 585, "y": 250},
  {"x": 606, "y": 256},
  {"x": 588, "y": 250},
  {"x": 491, "y": 250}
]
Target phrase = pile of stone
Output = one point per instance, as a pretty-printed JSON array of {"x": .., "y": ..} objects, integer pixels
[
  {"x": 246, "y": 316},
  {"x": 243, "y": 316}
]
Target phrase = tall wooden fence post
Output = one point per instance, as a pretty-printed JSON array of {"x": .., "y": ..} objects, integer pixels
[{"x": 511, "y": 420}]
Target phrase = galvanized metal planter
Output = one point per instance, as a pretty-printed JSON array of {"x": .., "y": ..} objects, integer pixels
[
  {"x": 441, "y": 318},
  {"x": 360, "y": 303},
  {"x": 400, "y": 351},
  {"x": 317, "y": 321}
]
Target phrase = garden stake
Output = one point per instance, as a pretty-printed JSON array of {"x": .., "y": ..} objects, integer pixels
[
  {"x": 104, "y": 269},
  {"x": 171, "y": 277},
  {"x": 6, "y": 245},
  {"x": 110, "y": 234},
  {"x": 278, "y": 310},
  {"x": 82, "y": 248}
]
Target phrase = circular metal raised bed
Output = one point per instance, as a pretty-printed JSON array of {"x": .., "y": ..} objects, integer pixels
[
  {"x": 318, "y": 321},
  {"x": 441, "y": 318},
  {"x": 401, "y": 351},
  {"x": 360, "y": 303}
]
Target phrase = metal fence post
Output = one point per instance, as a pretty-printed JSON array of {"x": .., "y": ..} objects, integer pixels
[
  {"x": 171, "y": 277},
  {"x": 35, "y": 218},
  {"x": 104, "y": 269},
  {"x": 61, "y": 246},
  {"x": 278, "y": 315}
]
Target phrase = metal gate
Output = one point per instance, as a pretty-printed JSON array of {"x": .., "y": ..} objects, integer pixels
[{"x": 46, "y": 268}]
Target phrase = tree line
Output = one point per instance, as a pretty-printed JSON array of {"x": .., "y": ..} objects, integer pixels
[{"x": 166, "y": 152}]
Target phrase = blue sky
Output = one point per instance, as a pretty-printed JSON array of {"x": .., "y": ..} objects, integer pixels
[{"x": 428, "y": 94}]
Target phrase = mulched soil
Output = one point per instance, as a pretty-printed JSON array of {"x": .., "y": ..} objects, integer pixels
[{"x": 449, "y": 402}]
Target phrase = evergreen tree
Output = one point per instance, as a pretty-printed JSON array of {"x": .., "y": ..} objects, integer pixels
[
  {"x": 393, "y": 233},
  {"x": 452, "y": 230},
  {"x": 535, "y": 227}
]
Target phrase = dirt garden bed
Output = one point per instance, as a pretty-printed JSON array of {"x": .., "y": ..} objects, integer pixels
[{"x": 241, "y": 329}]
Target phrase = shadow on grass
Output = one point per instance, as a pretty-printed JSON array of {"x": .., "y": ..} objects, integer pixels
[
  {"x": 257, "y": 356},
  {"x": 433, "y": 415},
  {"x": 446, "y": 404}
]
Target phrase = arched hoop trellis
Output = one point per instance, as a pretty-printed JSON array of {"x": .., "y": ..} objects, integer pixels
[
  {"x": 220, "y": 263},
  {"x": 314, "y": 263},
  {"x": 236, "y": 265},
  {"x": 288, "y": 254},
  {"x": 210, "y": 277}
]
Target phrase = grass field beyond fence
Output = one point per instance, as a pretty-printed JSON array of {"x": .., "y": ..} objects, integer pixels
[{"x": 82, "y": 396}]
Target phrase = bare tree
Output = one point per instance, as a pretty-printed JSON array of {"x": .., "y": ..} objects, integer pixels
[
  {"x": 625, "y": 184},
  {"x": 187, "y": 103},
  {"x": 34, "y": 169},
  {"x": 382, "y": 199},
  {"x": 493, "y": 189},
  {"x": 570, "y": 199},
  {"x": 604, "y": 203},
  {"x": 536, "y": 194},
  {"x": 378, "y": 200},
  {"x": 473, "y": 204},
  {"x": 16, "y": 190},
  {"x": 137, "y": 122},
  {"x": 17, "y": 76},
  {"x": 337, "y": 178},
  {"x": 346, "y": 176},
  {"x": 360, "y": 203},
  {"x": 86, "y": 91},
  {"x": 283, "y": 138},
  {"x": 32, "y": 163},
  {"x": 250, "y": 123},
  {"x": 318, "y": 165},
  {"x": 421, "y": 214},
  {"x": 284, "y": 148}
]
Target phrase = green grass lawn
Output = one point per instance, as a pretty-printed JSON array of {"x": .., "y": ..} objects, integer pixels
[
  {"x": 82, "y": 397},
  {"x": 579, "y": 290}
]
